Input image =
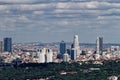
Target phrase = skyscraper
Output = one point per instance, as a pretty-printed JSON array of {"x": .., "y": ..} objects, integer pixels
[
  {"x": 75, "y": 49},
  {"x": 49, "y": 56},
  {"x": 66, "y": 57},
  {"x": 99, "y": 45},
  {"x": 62, "y": 47},
  {"x": 72, "y": 54},
  {"x": 76, "y": 42},
  {"x": 41, "y": 56},
  {"x": 1, "y": 46},
  {"x": 45, "y": 55},
  {"x": 8, "y": 44}
]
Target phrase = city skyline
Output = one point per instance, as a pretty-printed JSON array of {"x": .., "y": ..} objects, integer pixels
[{"x": 53, "y": 21}]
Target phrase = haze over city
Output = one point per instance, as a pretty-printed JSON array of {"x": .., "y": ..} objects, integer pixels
[{"x": 56, "y": 20}]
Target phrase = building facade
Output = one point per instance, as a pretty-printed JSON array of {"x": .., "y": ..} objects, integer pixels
[
  {"x": 99, "y": 45},
  {"x": 49, "y": 56},
  {"x": 66, "y": 57},
  {"x": 45, "y": 55},
  {"x": 8, "y": 44},
  {"x": 1, "y": 46},
  {"x": 41, "y": 56},
  {"x": 62, "y": 47},
  {"x": 75, "y": 48}
]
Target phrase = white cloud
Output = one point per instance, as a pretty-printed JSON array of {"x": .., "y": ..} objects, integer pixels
[
  {"x": 18, "y": 1},
  {"x": 38, "y": 12},
  {"x": 109, "y": 17},
  {"x": 59, "y": 16}
]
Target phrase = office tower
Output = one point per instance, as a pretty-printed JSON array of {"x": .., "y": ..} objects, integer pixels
[
  {"x": 73, "y": 54},
  {"x": 41, "y": 56},
  {"x": 72, "y": 46},
  {"x": 76, "y": 42},
  {"x": 62, "y": 47},
  {"x": 76, "y": 45},
  {"x": 44, "y": 51},
  {"x": 75, "y": 48},
  {"x": 45, "y": 55},
  {"x": 66, "y": 57},
  {"x": 99, "y": 45},
  {"x": 1, "y": 46},
  {"x": 49, "y": 56},
  {"x": 8, "y": 44}
]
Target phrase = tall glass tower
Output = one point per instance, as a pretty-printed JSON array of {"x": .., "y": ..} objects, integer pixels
[
  {"x": 8, "y": 44},
  {"x": 76, "y": 42},
  {"x": 75, "y": 49},
  {"x": 1, "y": 46},
  {"x": 62, "y": 47},
  {"x": 99, "y": 45}
]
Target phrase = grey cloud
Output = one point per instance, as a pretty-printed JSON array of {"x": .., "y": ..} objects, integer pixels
[
  {"x": 17, "y": 1},
  {"x": 59, "y": 16}
]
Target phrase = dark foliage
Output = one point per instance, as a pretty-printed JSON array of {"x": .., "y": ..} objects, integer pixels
[{"x": 52, "y": 71}]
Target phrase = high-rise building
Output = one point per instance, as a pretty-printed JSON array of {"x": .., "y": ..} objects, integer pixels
[
  {"x": 72, "y": 46},
  {"x": 73, "y": 54},
  {"x": 76, "y": 42},
  {"x": 75, "y": 49},
  {"x": 45, "y": 55},
  {"x": 1, "y": 46},
  {"x": 99, "y": 45},
  {"x": 66, "y": 57},
  {"x": 8, "y": 44},
  {"x": 41, "y": 56},
  {"x": 44, "y": 51},
  {"x": 49, "y": 56},
  {"x": 62, "y": 47}
]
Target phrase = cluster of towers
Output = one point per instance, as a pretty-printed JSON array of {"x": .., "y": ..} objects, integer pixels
[
  {"x": 74, "y": 52},
  {"x": 6, "y": 45},
  {"x": 75, "y": 48},
  {"x": 45, "y": 55}
]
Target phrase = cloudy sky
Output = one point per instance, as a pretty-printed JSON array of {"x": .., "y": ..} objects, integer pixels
[{"x": 56, "y": 20}]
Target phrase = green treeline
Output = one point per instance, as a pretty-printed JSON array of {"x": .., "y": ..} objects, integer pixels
[{"x": 52, "y": 71}]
